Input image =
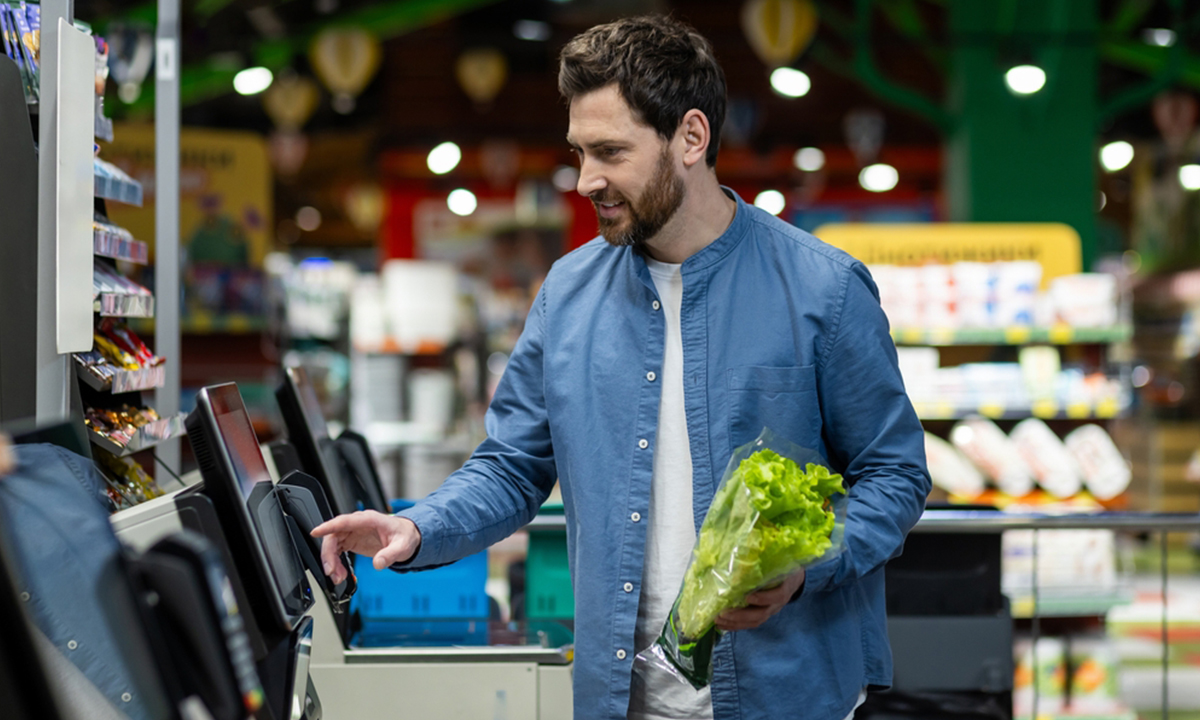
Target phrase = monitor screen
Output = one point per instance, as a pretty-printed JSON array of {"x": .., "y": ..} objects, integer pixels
[
  {"x": 309, "y": 434},
  {"x": 232, "y": 466}
]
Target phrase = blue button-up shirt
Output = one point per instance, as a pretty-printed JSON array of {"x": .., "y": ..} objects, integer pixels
[{"x": 779, "y": 330}]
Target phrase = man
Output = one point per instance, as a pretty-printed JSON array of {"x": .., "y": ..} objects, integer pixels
[{"x": 647, "y": 357}]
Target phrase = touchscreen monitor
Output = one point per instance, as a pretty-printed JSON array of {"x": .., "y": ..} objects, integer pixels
[
  {"x": 309, "y": 434},
  {"x": 231, "y": 464}
]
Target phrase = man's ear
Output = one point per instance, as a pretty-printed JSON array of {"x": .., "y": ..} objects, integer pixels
[{"x": 695, "y": 135}]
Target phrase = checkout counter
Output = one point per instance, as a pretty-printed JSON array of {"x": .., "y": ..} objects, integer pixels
[{"x": 509, "y": 670}]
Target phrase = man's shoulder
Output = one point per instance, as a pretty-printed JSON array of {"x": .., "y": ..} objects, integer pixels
[{"x": 778, "y": 236}]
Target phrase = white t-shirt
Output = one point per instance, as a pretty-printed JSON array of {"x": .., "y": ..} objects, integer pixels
[{"x": 671, "y": 530}]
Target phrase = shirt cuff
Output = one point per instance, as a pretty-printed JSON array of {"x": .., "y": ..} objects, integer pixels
[
  {"x": 428, "y": 524},
  {"x": 820, "y": 576}
]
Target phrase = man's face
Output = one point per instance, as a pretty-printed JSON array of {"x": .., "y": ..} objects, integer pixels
[{"x": 626, "y": 169}]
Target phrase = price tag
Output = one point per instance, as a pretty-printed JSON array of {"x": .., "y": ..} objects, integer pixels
[
  {"x": 910, "y": 336},
  {"x": 1107, "y": 408},
  {"x": 1061, "y": 334},
  {"x": 944, "y": 410},
  {"x": 1045, "y": 408},
  {"x": 1078, "y": 410},
  {"x": 941, "y": 336},
  {"x": 991, "y": 410},
  {"x": 1016, "y": 335}
]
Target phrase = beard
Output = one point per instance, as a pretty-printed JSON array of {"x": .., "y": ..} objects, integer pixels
[{"x": 657, "y": 205}]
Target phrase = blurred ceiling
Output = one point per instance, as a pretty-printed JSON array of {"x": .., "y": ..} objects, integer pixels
[{"x": 415, "y": 100}]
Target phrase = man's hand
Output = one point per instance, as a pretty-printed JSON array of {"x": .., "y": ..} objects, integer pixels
[
  {"x": 7, "y": 461},
  {"x": 761, "y": 605},
  {"x": 387, "y": 538}
]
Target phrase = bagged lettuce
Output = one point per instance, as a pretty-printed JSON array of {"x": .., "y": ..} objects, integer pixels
[{"x": 778, "y": 509}]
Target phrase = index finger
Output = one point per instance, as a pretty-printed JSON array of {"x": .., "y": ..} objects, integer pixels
[{"x": 341, "y": 523}]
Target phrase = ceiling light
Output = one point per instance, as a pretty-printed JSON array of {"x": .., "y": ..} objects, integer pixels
[
  {"x": 1025, "y": 79},
  {"x": 770, "y": 200},
  {"x": 1161, "y": 37},
  {"x": 462, "y": 202},
  {"x": 1116, "y": 155},
  {"x": 809, "y": 159},
  {"x": 443, "y": 158},
  {"x": 535, "y": 30},
  {"x": 879, "y": 177},
  {"x": 308, "y": 218},
  {"x": 252, "y": 81},
  {"x": 1189, "y": 177},
  {"x": 565, "y": 178},
  {"x": 790, "y": 82}
]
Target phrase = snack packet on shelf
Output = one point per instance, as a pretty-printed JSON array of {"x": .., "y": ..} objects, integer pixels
[{"x": 771, "y": 516}]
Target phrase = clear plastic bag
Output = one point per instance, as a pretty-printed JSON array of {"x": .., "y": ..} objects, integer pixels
[{"x": 778, "y": 509}]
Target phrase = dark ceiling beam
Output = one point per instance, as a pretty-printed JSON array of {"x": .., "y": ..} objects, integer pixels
[{"x": 1167, "y": 66}]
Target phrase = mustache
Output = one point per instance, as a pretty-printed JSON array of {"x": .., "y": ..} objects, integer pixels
[{"x": 606, "y": 197}]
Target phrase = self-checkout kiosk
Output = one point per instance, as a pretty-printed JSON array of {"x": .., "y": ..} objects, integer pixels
[
  {"x": 256, "y": 528},
  {"x": 526, "y": 677},
  {"x": 143, "y": 634}
]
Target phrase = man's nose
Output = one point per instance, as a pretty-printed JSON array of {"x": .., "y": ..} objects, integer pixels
[{"x": 590, "y": 181}]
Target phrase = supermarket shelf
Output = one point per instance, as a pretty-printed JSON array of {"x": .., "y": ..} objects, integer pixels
[
  {"x": 1017, "y": 335},
  {"x": 390, "y": 346},
  {"x": 205, "y": 324},
  {"x": 1069, "y": 604},
  {"x": 134, "y": 251},
  {"x": 123, "y": 381},
  {"x": 121, "y": 305},
  {"x": 1047, "y": 410},
  {"x": 119, "y": 189},
  {"x": 146, "y": 437}
]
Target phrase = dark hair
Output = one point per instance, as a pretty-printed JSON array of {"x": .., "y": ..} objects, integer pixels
[{"x": 661, "y": 66}]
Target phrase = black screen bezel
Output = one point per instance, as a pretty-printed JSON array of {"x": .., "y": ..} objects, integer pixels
[
  {"x": 223, "y": 486},
  {"x": 310, "y": 445}
]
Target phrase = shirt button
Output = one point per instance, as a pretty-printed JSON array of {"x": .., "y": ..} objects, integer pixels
[
  {"x": 620, "y": 654},
  {"x": 643, "y": 443},
  {"x": 71, "y": 644},
  {"x": 24, "y": 597},
  {"x": 126, "y": 697},
  {"x": 637, "y": 516},
  {"x": 628, "y": 587},
  {"x": 656, "y": 305},
  {"x": 650, "y": 376}
]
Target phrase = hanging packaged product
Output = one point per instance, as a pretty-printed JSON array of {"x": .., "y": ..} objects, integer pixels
[
  {"x": 986, "y": 445},
  {"x": 1047, "y": 457}
]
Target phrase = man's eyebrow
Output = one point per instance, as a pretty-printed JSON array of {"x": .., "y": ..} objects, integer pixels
[{"x": 596, "y": 143}]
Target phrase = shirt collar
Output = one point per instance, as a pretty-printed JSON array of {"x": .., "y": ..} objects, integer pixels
[{"x": 715, "y": 251}]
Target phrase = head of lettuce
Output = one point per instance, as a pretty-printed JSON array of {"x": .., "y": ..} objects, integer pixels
[{"x": 769, "y": 518}]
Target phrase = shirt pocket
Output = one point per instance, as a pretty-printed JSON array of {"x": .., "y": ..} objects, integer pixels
[{"x": 783, "y": 399}]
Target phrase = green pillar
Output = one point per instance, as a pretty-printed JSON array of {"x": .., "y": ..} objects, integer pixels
[{"x": 1023, "y": 159}]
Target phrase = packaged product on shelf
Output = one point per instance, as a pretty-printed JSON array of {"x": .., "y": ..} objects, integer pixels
[
  {"x": 1016, "y": 288},
  {"x": 128, "y": 341},
  {"x": 973, "y": 289},
  {"x": 986, "y": 445},
  {"x": 1050, "y": 680},
  {"x": 1085, "y": 300},
  {"x": 1105, "y": 472},
  {"x": 129, "y": 474},
  {"x": 1047, "y": 457},
  {"x": 919, "y": 370},
  {"x": 935, "y": 287},
  {"x": 118, "y": 425},
  {"x": 1040, "y": 367},
  {"x": 950, "y": 470},
  {"x": 1094, "y": 683},
  {"x": 113, "y": 353}
]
